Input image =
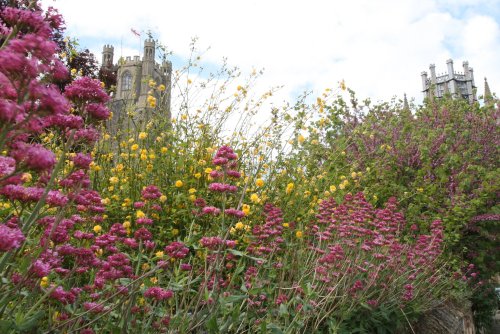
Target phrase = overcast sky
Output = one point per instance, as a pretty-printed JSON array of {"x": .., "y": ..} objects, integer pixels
[{"x": 379, "y": 47}]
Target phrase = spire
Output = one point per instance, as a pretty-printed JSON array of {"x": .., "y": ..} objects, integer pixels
[
  {"x": 488, "y": 98},
  {"x": 406, "y": 106}
]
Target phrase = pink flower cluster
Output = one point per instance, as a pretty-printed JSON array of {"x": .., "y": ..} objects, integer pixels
[
  {"x": 375, "y": 235},
  {"x": 268, "y": 236},
  {"x": 177, "y": 250},
  {"x": 158, "y": 293}
]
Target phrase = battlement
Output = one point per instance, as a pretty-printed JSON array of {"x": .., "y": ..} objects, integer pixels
[
  {"x": 149, "y": 43},
  {"x": 108, "y": 47}
]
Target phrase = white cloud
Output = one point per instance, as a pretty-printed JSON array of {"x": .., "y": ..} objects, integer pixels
[{"x": 378, "y": 47}]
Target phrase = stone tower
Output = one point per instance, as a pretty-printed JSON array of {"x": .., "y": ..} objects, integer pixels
[
  {"x": 107, "y": 55},
  {"x": 133, "y": 76},
  {"x": 456, "y": 84}
]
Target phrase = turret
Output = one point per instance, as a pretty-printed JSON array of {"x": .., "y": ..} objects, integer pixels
[
  {"x": 107, "y": 55},
  {"x": 149, "y": 50}
]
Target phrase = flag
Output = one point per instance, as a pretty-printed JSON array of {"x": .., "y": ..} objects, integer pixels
[{"x": 135, "y": 32}]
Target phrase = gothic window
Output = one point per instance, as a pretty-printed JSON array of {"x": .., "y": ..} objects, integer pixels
[{"x": 126, "y": 81}]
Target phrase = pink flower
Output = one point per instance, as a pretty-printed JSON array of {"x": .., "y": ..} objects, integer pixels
[
  {"x": 7, "y": 166},
  {"x": 82, "y": 160},
  {"x": 185, "y": 267},
  {"x": 222, "y": 187},
  {"x": 98, "y": 111},
  {"x": 93, "y": 307},
  {"x": 10, "y": 238},
  {"x": 177, "y": 250},
  {"x": 211, "y": 242},
  {"x": 151, "y": 192},
  {"x": 86, "y": 89},
  {"x": 34, "y": 156},
  {"x": 235, "y": 213},
  {"x": 210, "y": 210},
  {"x": 158, "y": 293}
]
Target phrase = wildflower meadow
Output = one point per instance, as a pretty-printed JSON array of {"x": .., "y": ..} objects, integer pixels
[{"x": 330, "y": 216}]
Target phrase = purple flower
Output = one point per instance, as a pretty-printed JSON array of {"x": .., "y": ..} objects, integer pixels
[{"x": 10, "y": 238}]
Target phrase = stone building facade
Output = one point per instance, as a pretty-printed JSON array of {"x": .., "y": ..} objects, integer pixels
[
  {"x": 457, "y": 84},
  {"x": 133, "y": 76}
]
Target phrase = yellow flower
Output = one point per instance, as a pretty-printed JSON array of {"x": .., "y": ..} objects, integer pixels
[
  {"x": 44, "y": 282},
  {"x": 126, "y": 224},
  {"x": 239, "y": 225},
  {"x": 105, "y": 201},
  {"x": 255, "y": 198},
  {"x": 134, "y": 147},
  {"x": 161, "y": 88},
  {"x": 353, "y": 175},
  {"x": 143, "y": 135},
  {"x": 164, "y": 150},
  {"x": 341, "y": 186},
  {"x": 179, "y": 183},
  {"x": 289, "y": 188},
  {"x": 103, "y": 84},
  {"x": 113, "y": 180},
  {"x": 259, "y": 182},
  {"x": 191, "y": 190},
  {"x": 285, "y": 225},
  {"x": 151, "y": 101},
  {"x": 184, "y": 117},
  {"x": 163, "y": 198},
  {"x": 299, "y": 234},
  {"x": 420, "y": 190},
  {"x": 159, "y": 254},
  {"x": 208, "y": 170},
  {"x": 26, "y": 177},
  {"x": 152, "y": 83},
  {"x": 154, "y": 280},
  {"x": 333, "y": 188},
  {"x": 97, "y": 228},
  {"x": 73, "y": 71},
  {"x": 140, "y": 214},
  {"x": 301, "y": 139},
  {"x": 197, "y": 175},
  {"x": 342, "y": 85},
  {"x": 246, "y": 209},
  {"x": 175, "y": 232}
]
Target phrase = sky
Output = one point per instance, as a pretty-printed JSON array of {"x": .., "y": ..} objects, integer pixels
[{"x": 378, "y": 47}]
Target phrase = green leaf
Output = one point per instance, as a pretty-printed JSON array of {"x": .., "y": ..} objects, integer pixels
[
  {"x": 283, "y": 310},
  {"x": 235, "y": 298},
  {"x": 31, "y": 322}
]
